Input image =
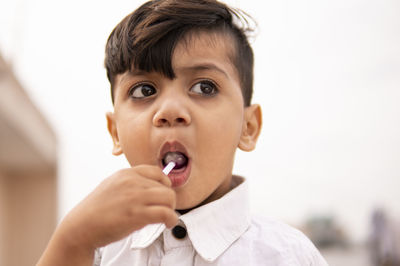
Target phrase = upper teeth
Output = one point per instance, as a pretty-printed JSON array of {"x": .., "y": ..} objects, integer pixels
[{"x": 178, "y": 158}]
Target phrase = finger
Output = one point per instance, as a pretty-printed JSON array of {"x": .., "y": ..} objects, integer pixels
[
  {"x": 161, "y": 214},
  {"x": 161, "y": 196},
  {"x": 154, "y": 173}
]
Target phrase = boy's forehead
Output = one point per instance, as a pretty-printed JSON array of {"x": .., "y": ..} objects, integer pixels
[
  {"x": 201, "y": 40},
  {"x": 201, "y": 50}
]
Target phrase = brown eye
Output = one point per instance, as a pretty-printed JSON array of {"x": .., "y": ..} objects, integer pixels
[
  {"x": 142, "y": 91},
  {"x": 205, "y": 87}
]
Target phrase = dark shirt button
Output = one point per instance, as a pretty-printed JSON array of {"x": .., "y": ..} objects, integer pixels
[{"x": 179, "y": 232}]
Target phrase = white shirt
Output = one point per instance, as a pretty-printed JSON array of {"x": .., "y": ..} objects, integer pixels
[{"x": 220, "y": 233}]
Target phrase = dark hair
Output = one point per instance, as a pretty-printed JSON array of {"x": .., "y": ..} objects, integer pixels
[{"x": 146, "y": 38}]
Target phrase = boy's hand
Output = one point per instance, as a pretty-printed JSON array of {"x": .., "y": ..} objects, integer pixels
[{"x": 124, "y": 202}]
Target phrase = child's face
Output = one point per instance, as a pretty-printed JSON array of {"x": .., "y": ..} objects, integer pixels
[{"x": 200, "y": 114}]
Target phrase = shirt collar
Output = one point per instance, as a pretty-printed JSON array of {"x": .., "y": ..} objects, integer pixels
[{"x": 212, "y": 228}]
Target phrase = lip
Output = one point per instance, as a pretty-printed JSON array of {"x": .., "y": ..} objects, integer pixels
[{"x": 178, "y": 177}]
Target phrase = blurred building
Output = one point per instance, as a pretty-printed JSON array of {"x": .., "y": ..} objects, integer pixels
[
  {"x": 324, "y": 232},
  {"x": 28, "y": 171},
  {"x": 384, "y": 241}
]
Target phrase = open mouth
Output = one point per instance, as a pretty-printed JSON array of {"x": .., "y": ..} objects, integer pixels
[
  {"x": 177, "y": 153},
  {"x": 180, "y": 159}
]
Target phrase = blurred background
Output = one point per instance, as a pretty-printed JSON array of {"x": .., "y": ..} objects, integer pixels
[{"x": 327, "y": 76}]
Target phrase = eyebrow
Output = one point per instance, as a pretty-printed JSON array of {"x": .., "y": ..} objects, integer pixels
[{"x": 130, "y": 74}]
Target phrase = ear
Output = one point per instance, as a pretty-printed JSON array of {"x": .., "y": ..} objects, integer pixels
[
  {"x": 251, "y": 127},
  {"x": 112, "y": 129}
]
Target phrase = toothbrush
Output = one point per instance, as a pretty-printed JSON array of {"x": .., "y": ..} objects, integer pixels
[{"x": 169, "y": 168}]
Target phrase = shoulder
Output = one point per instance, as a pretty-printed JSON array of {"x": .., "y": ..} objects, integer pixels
[
  {"x": 283, "y": 240},
  {"x": 280, "y": 233}
]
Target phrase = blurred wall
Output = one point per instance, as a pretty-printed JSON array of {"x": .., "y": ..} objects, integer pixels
[
  {"x": 28, "y": 216},
  {"x": 28, "y": 183},
  {"x": 2, "y": 216}
]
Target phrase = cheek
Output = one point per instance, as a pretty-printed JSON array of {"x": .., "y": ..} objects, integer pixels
[
  {"x": 229, "y": 125},
  {"x": 222, "y": 135},
  {"x": 134, "y": 139}
]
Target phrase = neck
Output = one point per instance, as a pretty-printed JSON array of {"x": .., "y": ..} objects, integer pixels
[{"x": 233, "y": 183}]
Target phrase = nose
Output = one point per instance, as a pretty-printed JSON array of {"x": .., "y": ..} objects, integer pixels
[{"x": 172, "y": 112}]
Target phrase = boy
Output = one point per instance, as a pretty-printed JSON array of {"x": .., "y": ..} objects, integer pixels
[{"x": 181, "y": 76}]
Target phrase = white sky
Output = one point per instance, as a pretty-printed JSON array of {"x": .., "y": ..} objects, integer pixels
[{"x": 327, "y": 78}]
